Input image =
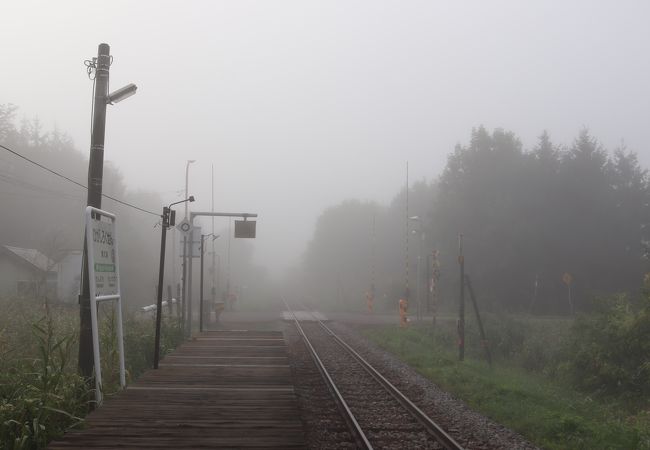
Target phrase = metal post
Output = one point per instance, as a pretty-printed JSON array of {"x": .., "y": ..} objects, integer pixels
[
  {"x": 184, "y": 286},
  {"x": 419, "y": 276},
  {"x": 213, "y": 290},
  {"x": 229, "y": 307},
  {"x": 189, "y": 280},
  {"x": 484, "y": 341},
  {"x": 178, "y": 298},
  {"x": 435, "y": 276},
  {"x": 418, "y": 267},
  {"x": 218, "y": 283},
  {"x": 95, "y": 175},
  {"x": 372, "y": 261},
  {"x": 189, "y": 269},
  {"x": 187, "y": 182},
  {"x": 201, "y": 287},
  {"x": 185, "y": 252},
  {"x": 427, "y": 281},
  {"x": 461, "y": 309},
  {"x": 161, "y": 272}
]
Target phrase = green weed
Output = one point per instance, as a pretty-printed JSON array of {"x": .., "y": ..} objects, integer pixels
[
  {"x": 547, "y": 412},
  {"x": 41, "y": 393}
]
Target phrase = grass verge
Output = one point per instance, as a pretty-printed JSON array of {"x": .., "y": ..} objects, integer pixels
[
  {"x": 41, "y": 393},
  {"x": 547, "y": 412}
]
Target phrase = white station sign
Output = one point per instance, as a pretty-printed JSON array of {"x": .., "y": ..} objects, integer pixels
[
  {"x": 104, "y": 261},
  {"x": 104, "y": 274}
]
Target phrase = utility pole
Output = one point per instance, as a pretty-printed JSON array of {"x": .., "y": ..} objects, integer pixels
[
  {"x": 201, "y": 282},
  {"x": 201, "y": 286},
  {"x": 407, "y": 291},
  {"x": 484, "y": 341},
  {"x": 427, "y": 283},
  {"x": 433, "y": 287},
  {"x": 419, "y": 276},
  {"x": 168, "y": 220},
  {"x": 95, "y": 175},
  {"x": 185, "y": 306},
  {"x": 213, "y": 290},
  {"x": 161, "y": 273},
  {"x": 461, "y": 309},
  {"x": 189, "y": 269}
]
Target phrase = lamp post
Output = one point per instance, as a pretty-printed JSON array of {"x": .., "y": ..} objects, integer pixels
[
  {"x": 184, "y": 264},
  {"x": 168, "y": 217},
  {"x": 101, "y": 66},
  {"x": 418, "y": 290},
  {"x": 187, "y": 173},
  {"x": 203, "y": 236}
]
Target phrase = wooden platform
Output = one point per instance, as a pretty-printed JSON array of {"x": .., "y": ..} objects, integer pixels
[{"x": 225, "y": 389}]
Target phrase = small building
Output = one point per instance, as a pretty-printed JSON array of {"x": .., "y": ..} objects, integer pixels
[
  {"x": 68, "y": 271},
  {"x": 26, "y": 272}
]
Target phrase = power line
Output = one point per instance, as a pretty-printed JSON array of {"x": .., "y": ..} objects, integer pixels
[
  {"x": 26, "y": 185},
  {"x": 54, "y": 172}
]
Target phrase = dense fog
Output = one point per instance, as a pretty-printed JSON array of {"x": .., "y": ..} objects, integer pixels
[{"x": 460, "y": 188}]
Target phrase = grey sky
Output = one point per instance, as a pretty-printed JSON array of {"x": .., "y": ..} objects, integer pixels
[{"x": 301, "y": 104}]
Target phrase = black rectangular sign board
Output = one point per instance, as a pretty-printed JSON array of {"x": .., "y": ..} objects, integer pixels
[{"x": 245, "y": 228}]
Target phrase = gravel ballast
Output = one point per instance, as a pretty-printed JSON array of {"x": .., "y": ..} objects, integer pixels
[{"x": 326, "y": 429}]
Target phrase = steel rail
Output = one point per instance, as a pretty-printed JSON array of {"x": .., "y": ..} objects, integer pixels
[
  {"x": 432, "y": 428},
  {"x": 355, "y": 429}
]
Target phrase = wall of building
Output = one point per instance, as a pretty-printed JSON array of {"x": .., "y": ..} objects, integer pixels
[
  {"x": 12, "y": 271},
  {"x": 69, "y": 277}
]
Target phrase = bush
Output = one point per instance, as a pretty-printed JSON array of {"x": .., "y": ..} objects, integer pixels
[
  {"x": 41, "y": 393},
  {"x": 39, "y": 397},
  {"x": 609, "y": 350}
]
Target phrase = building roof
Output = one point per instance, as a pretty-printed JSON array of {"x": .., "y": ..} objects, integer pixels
[{"x": 33, "y": 257}]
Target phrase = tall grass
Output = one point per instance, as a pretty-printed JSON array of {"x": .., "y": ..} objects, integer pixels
[
  {"x": 41, "y": 393},
  {"x": 530, "y": 385},
  {"x": 40, "y": 397}
]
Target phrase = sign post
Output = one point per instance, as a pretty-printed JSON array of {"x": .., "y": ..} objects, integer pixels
[
  {"x": 247, "y": 231},
  {"x": 104, "y": 277}
]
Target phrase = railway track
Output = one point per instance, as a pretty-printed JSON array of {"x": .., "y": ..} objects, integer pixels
[{"x": 377, "y": 414}]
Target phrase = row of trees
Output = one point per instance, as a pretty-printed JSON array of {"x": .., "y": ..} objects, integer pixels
[
  {"x": 527, "y": 217},
  {"x": 44, "y": 211}
]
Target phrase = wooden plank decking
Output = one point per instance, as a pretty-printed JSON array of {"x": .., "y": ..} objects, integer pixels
[{"x": 225, "y": 389}]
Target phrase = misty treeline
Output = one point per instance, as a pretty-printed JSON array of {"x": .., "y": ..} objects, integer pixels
[
  {"x": 45, "y": 212},
  {"x": 528, "y": 216}
]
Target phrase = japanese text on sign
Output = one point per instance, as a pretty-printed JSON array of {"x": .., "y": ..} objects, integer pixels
[{"x": 104, "y": 264}]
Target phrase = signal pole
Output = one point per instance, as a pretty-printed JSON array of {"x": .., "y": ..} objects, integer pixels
[
  {"x": 166, "y": 221},
  {"x": 95, "y": 175}
]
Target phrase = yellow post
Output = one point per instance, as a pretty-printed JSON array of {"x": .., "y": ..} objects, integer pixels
[{"x": 403, "y": 308}]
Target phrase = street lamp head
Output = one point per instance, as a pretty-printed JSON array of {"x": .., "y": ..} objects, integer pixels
[
  {"x": 215, "y": 237},
  {"x": 414, "y": 218},
  {"x": 122, "y": 93},
  {"x": 190, "y": 161},
  {"x": 190, "y": 199}
]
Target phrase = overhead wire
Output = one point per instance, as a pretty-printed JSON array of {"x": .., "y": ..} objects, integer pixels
[
  {"x": 26, "y": 185},
  {"x": 54, "y": 172}
]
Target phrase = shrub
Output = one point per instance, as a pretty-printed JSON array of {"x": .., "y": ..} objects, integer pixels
[
  {"x": 41, "y": 393},
  {"x": 39, "y": 397},
  {"x": 609, "y": 350}
]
